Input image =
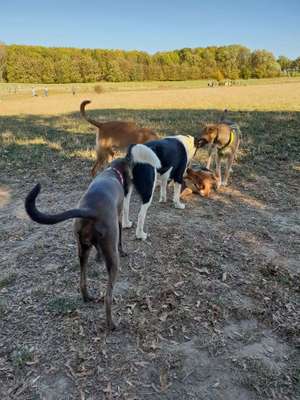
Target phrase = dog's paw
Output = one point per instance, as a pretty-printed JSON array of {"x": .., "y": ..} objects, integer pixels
[
  {"x": 123, "y": 253},
  {"x": 89, "y": 299},
  {"x": 224, "y": 183},
  {"x": 163, "y": 200},
  {"x": 127, "y": 224},
  {"x": 179, "y": 205},
  {"x": 141, "y": 235},
  {"x": 186, "y": 192},
  {"x": 110, "y": 327}
]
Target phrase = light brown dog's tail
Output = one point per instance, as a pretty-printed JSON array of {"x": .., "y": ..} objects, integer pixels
[{"x": 83, "y": 114}]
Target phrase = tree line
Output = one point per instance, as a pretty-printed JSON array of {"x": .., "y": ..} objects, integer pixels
[{"x": 37, "y": 64}]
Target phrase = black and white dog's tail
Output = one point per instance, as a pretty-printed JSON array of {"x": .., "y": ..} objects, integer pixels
[
  {"x": 48, "y": 219},
  {"x": 139, "y": 153}
]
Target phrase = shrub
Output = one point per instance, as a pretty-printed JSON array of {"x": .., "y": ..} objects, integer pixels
[{"x": 99, "y": 89}]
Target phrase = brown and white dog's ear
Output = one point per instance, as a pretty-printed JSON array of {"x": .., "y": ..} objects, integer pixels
[{"x": 210, "y": 133}]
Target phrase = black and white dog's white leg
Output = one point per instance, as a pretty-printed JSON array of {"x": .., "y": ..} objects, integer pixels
[
  {"x": 163, "y": 186},
  {"x": 126, "y": 223},
  {"x": 176, "y": 197},
  {"x": 140, "y": 234}
]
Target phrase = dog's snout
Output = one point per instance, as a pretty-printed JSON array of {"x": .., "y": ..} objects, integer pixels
[{"x": 202, "y": 142}]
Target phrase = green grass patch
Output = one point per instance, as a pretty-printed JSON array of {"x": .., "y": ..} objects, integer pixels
[
  {"x": 63, "y": 305},
  {"x": 21, "y": 355},
  {"x": 8, "y": 280}
]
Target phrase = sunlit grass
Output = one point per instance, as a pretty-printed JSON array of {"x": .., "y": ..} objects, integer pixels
[{"x": 88, "y": 154}]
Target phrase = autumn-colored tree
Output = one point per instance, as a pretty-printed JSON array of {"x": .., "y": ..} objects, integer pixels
[
  {"x": 264, "y": 64},
  {"x": 2, "y": 61},
  {"x": 37, "y": 64},
  {"x": 284, "y": 62}
]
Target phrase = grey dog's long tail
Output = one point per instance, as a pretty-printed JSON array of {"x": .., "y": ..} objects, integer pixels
[{"x": 48, "y": 219}]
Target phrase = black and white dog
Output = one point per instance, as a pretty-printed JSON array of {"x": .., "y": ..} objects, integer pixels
[{"x": 169, "y": 157}]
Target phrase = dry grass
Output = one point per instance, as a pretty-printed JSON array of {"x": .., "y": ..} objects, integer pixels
[{"x": 272, "y": 97}]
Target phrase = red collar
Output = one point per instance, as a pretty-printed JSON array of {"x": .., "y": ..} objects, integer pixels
[{"x": 120, "y": 176}]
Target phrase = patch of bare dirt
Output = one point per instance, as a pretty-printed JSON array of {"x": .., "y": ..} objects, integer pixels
[{"x": 206, "y": 308}]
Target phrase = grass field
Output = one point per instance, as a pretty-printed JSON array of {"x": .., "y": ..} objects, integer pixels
[
  {"x": 272, "y": 97},
  {"x": 12, "y": 90},
  {"x": 207, "y": 308}
]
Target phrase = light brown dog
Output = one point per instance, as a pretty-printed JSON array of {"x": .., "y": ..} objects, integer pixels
[
  {"x": 224, "y": 140},
  {"x": 115, "y": 135},
  {"x": 200, "y": 182}
]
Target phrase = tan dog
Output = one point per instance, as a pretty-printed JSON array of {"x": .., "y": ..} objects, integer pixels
[
  {"x": 224, "y": 140},
  {"x": 200, "y": 182},
  {"x": 115, "y": 135}
]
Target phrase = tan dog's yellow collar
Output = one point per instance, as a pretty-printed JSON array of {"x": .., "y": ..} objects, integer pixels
[{"x": 231, "y": 139}]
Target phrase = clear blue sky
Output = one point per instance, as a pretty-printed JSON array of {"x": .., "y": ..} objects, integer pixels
[{"x": 153, "y": 25}]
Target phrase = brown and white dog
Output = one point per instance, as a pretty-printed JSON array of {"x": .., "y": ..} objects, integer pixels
[
  {"x": 97, "y": 223},
  {"x": 224, "y": 140},
  {"x": 115, "y": 135},
  {"x": 198, "y": 181}
]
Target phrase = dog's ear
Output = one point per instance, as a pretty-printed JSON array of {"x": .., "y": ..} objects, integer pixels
[
  {"x": 128, "y": 157},
  {"x": 210, "y": 128},
  {"x": 129, "y": 165}
]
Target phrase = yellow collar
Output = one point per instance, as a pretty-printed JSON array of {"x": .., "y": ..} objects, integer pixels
[{"x": 231, "y": 139}]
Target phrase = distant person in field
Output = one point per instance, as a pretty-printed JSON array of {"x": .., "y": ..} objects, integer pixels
[
  {"x": 46, "y": 92},
  {"x": 33, "y": 92},
  {"x": 73, "y": 91}
]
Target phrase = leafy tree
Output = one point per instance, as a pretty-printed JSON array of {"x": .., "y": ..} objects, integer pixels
[
  {"x": 296, "y": 64},
  {"x": 2, "y": 61},
  {"x": 264, "y": 64},
  {"x": 284, "y": 62},
  {"x": 37, "y": 64}
]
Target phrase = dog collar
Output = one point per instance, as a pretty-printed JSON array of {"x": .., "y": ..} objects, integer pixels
[
  {"x": 231, "y": 138},
  {"x": 120, "y": 176}
]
